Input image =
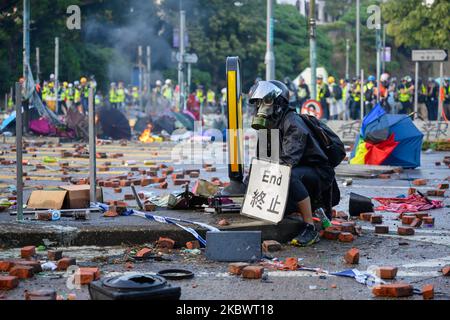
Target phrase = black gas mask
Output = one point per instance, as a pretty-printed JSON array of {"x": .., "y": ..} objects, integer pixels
[{"x": 264, "y": 96}]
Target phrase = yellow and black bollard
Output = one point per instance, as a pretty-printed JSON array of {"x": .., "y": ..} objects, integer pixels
[{"x": 235, "y": 129}]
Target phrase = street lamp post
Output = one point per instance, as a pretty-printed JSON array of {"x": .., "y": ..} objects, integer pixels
[
  {"x": 312, "y": 47},
  {"x": 270, "y": 56},
  {"x": 358, "y": 37}
]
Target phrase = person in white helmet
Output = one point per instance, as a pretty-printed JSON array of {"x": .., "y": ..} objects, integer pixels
[{"x": 167, "y": 90}]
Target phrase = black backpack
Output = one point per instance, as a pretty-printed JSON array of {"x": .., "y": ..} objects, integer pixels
[
  {"x": 337, "y": 92},
  {"x": 329, "y": 141}
]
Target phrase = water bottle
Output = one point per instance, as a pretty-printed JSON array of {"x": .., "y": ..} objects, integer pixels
[{"x": 323, "y": 217}]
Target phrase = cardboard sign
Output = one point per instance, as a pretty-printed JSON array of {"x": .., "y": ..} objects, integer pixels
[{"x": 267, "y": 191}]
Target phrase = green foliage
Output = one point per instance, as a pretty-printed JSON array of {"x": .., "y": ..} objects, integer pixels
[{"x": 414, "y": 24}]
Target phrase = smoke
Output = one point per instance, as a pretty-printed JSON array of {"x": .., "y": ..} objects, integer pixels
[{"x": 139, "y": 25}]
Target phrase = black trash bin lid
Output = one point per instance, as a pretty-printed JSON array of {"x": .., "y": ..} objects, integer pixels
[
  {"x": 176, "y": 274},
  {"x": 135, "y": 282}
]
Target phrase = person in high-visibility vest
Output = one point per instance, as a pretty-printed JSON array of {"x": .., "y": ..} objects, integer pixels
[
  {"x": 322, "y": 94},
  {"x": 45, "y": 91},
  {"x": 345, "y": 87},
  {"x": 120, "y": 95},
  {"x": 167, "y": 90},
  {"x": 10, "y": 103},
  {"x": 223, "y": 101},
  {"x": 211, "y": 98},
  {"x": 355, "y": 106},
  {"x": 113, "y": 95},
  {"x": 405, "y": 94},
  {"x": 135, "y": 95},
  {"x": 200, "y": 95}
]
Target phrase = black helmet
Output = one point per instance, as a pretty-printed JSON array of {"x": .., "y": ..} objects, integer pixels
[{"x": 284, "y": 90}]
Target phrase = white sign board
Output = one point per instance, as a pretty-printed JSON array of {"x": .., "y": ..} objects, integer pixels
[
  {"x": 188, "y": 58},
  {"x": 267, "y": 191},
  {"x": 429, "y": 55}
]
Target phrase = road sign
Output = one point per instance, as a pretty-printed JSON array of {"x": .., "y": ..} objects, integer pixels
[
  {"x": 188, "y": 58},
  {"x": 267, "y": 191},
  {"x": 313, "y": 108},
  {"x": 429, "y": 55}
]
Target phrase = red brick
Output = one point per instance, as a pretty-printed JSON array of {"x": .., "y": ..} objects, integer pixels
[
  {"x": 346, "y": 237},
  {"x": 22, "y": 272},
  {"x": 125, "y": 183},
  {"x": 210, "y": 169},
  {"x": 348, "y": 227},
  {"x": 158, "y": 180},
  {"x": 54, "y": 255},
  {"x": 411, "y": 191},
  {"x": 387, "y": 273},
  {"x": 419, "y": 182},
  {"x": 96, "y": 271},
  {"x": 193, "y": 245},
  {"x": 446, "y": 271},
  {"x": 436, "y": 193},
  {"x": 421, "y": 215},
  {"x": 443, "y": 186},
  {"x": 352, "y": 256},
  {"x": 408, "y": 219},
  {"x": 365, "y": 216},
  {"x": 177, "y": 176},
  {"x": 108, "y": 184},
  {"x": 416, "y": 223},
  {"x": 6, "y": 265},
  {"x": 112, "y": 212},
  {"x": 103, "y": 168},
  {"x": 376, "y": 219},
  {"x": 65, "y": 263},
  {"x": 118, "y": 190},
  {"x": 405, "y": 231},
  {"x": 180, "y": 182},
  {"x": 331, "y": 234},
  {"x": 429, "y": 221},
  {"x": 28, "y": 252},
  {"x": 236, "y": 268},
  {"x": 394, "y": 290},
  {"x": 36, "y": 265},
  {"x": 382, "y": 229},
  {"x": 143, "y": 253},
  {"x": 145, "y": 182},
  {"x": 8, "y": 282},
  {"x": 252, "y": 272},
  {"x": 165, "y": 243},
  {"x": 40, "y": 295},
  {"x": 271, "y": 246},
  {"x": 428, "y": 292},
  {"x": 129, "y": 196},
  {"x": 194, "y": 175},
  {"x": 384, "y": 176},
  {"x": 83, "y": 277},
  {"x": 291, "y": 263}
]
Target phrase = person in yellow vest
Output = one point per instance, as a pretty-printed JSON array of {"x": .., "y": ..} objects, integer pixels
[
  {"x": 355, "y": 106},
  {"x": 167, "y": 90},
  {"x": 84, "y": 94},
  {"x": 323, "y": 93},
  {"x": 10, "y": 105},
  {"x": 223, "y": 101},
  {"x": 50, "y": 98},
  {"x": 45, "y": 91},
  {"x": 405, "y": 94},
  {"x": 120, "y": 95},
  {"x": 345, "y": 87},
  {"x": 211, "y": 99},
  {"x": 113, "y": 95},
  {"x": 422, "y": 99},
  {"x": 135, "y": 95},
  {"x": 200, "y": 94}
]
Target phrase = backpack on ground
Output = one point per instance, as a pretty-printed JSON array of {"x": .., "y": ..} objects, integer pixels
[{"x": 329, "y": 141}]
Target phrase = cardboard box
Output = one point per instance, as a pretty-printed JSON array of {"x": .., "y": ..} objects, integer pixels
[
  {"x": 47, "y": 199},
  {"x": 69, "y": 197},
  {"x": 78, "y": 196}
]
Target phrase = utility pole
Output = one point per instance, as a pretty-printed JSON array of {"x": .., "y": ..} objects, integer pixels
[
  {"x": 312, "y": 47},
  {"x": 441, "y": 87},
  {"x": 26, "y": 36},
  {"x": 19, "y": 149},
  {"x": 57, "y": 73},
  {"x": 383, "y": 62},
  {"x": 149, "y": 69},
  {"x": 347, "y": 59},
  {"x": 270, "y": 56},
  {"x": 182, "y": 105},
  {"x": 92, "y": 148},
  {"x": 358, "y": 37},
  {"x": 140, "y": 77},
  {"x": 416, "y": 91},
  {"x": 38, "y": 65},
  {"x": 379, "y": 48}
]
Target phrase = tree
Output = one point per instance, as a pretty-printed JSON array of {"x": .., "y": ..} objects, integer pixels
[{"x": 415, "y": 24}]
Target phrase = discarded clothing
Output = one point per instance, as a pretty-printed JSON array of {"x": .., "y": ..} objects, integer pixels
[{"x": 412, "y": 203}]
